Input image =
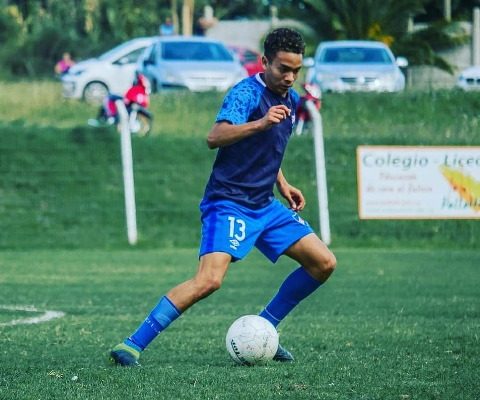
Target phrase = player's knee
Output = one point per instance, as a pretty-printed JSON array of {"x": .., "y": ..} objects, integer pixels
[
  {"x": 329, "y": 263},
  {"x": 214, "y": 284},
  {"x": 208, "y": 286},
  {"x": 325, "y": 266}
]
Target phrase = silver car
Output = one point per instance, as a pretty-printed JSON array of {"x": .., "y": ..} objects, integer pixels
[
  {"x": 193, "y": 63},
  {"x": 356, "y": 65}
]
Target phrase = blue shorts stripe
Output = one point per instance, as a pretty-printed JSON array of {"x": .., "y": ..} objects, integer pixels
[{"x": 211, "y": 232}]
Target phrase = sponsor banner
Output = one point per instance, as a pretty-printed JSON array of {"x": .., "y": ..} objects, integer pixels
[{"x": 407, "y": 182}]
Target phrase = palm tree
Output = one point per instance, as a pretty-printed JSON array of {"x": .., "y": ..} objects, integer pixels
[
  {"x": 365, "y": 19},
  {"x": 389, "y": 21}
]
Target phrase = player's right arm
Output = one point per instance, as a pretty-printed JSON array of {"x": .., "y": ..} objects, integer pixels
[{"x": 225, "y": 133}]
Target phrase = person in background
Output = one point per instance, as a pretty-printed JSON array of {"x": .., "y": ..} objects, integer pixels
[
  {"x": 62, "y": 66},
  {"x": 202, "y": 25},
  {"x": 167, "y": 28}
]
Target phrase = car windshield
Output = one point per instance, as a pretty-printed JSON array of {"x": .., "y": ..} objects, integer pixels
[
  {"x": 355, "y": 55},
  {"x": 195, "y": 51},
  {"x": 115, "y": 51}
]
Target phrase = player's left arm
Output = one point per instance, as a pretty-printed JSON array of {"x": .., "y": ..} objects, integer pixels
[{"x": 293, "y": 195}]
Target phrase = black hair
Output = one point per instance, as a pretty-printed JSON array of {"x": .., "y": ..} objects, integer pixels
[{"x": 283, "y": 39}]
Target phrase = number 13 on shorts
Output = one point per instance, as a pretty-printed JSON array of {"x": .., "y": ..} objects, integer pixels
[{"x": 236, "y": 231}]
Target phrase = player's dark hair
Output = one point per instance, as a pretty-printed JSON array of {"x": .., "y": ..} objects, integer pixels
[{"x": 283, "y": 39}]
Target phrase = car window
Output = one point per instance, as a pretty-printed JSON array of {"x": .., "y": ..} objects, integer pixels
[
  {"x": 349, "y": 55},
  {"x": 116, "y": 50},
  {"x": 194, "y": 51},
  {"x": 132, "y": 57},
  {"x": 150, "y": 55}
]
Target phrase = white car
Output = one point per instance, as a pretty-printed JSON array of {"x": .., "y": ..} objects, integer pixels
[
  {"x": 112, "y": 72},
  {"x": 469, "y": 79},
  {"x": 356, "y": 66},
  {"x": 190, "y": 62}
]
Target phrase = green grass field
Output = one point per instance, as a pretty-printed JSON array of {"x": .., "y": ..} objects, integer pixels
[
  {"x": 390, "y": 324},
  {"x": 61, "y": 182}
]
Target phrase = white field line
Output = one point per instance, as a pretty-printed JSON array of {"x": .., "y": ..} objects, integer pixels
[{"x": 45, "y": 317}]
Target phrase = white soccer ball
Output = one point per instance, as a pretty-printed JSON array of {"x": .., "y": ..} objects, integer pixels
[{"x": 251, "y": 340}]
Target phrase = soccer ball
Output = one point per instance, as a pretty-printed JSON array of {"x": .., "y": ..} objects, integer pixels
[{"x": 251, "y": 340}]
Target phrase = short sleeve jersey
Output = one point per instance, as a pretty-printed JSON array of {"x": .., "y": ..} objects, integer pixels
[{"x": 246, "y": 171}]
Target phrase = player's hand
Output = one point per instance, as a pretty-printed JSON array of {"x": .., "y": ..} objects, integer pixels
[
  {"x": 294, "y": 197},
  {"x": 275, "y": 115}
]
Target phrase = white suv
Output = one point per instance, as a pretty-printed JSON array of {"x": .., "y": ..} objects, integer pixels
[
  {"x": 469, "y": 79},
  {"x": 112, "y": 72}
]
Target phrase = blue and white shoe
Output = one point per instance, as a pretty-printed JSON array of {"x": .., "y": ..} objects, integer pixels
[
  {"x": 125, "y": 356},
  {"x": 283, "y": 355}
]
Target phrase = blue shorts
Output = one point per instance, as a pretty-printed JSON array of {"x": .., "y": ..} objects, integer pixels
[{"x": 234, "y": 229}]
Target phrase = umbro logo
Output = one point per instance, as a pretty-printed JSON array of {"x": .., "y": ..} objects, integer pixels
[
  {"x": 299, "y": 219},
  {"x": 234, "y": 243}
]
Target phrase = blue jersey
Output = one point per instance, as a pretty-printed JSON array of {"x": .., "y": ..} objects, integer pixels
[{"x": 246, "y": 171}]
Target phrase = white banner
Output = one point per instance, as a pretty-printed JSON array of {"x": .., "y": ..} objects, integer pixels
[{"x": 407, "y": 182}]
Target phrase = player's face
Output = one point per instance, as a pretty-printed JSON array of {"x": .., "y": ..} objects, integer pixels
[{"x": 282, "y": 71}]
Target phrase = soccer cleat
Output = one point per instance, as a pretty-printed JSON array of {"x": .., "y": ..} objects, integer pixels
[
  {"x": 125, "y": 356},
  {"x": 283, "y": 355}
]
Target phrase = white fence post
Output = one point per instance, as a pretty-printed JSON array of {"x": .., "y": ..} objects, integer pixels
[
  {"x": 321, "y": 173},
  {"x": 476, "y": 37},
  {"x": 127, "y": 167}
]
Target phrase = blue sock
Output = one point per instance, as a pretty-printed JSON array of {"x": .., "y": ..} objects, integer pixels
[
  {"x": 297, "y": 286},
  {"x": 159, "y": 318}
]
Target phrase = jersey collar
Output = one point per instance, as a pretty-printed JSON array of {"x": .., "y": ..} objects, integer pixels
[{"x": 260, "y": 80}]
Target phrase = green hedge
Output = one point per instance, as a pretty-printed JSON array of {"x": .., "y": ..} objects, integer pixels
[{"x": 61, "y": 181}]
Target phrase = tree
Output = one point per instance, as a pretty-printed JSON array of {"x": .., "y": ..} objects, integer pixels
[
  {"x": 366, "y": 19},
  {"x": 387, "y": 21},
  {"x": 461, "y": 10},
  {"x": 34, "y": 33}
]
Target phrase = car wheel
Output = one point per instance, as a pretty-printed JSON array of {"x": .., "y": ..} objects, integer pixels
[
  {"x": 95, "y": 92},
  {"x": 144, "y": 124}
]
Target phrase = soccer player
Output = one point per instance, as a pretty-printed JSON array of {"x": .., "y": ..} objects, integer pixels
[{"x": 239, "y": 210}]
